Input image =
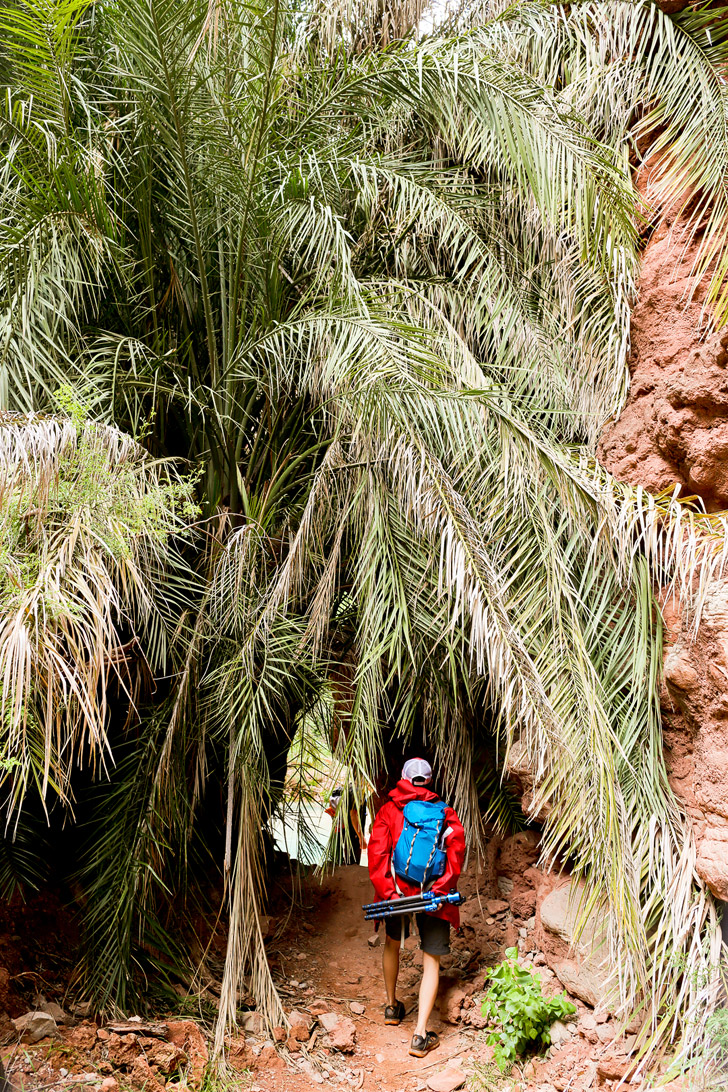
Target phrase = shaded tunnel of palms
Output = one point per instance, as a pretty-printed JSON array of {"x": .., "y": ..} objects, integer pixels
[{"x": 376, "y": 302}]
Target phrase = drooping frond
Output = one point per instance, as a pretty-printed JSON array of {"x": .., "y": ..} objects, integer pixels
[{"x": 87, "y": 522}]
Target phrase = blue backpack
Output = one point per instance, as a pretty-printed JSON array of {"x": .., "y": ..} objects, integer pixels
[{"x": 418, "y": 855}]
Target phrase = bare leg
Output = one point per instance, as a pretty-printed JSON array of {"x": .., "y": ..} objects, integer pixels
[
  {"x": 428, "y": 990},
  {"x": 390, "y": 967}
]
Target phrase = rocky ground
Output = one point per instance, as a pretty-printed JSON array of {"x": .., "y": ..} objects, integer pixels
[{"x": 326, "y": 963}]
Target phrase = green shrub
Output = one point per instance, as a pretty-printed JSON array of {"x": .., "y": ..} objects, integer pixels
[
  {"x": 520, "y": 1014},
  {"x": 717, "y": 1031}
]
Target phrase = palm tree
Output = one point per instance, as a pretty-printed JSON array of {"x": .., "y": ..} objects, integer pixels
[{"x": 377, "y": 289}]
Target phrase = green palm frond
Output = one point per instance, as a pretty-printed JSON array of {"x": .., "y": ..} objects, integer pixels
[
  {"x": 43, "y": 38},
  {"x": 23, "y": 857},
  {"x": 502, "y": 807},
  {"x": 132, "y": 865}
]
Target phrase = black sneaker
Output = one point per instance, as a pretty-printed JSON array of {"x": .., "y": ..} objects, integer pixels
[
  {"x": 394, "y": 1014},
  {"x": 423, "y": 1044}
]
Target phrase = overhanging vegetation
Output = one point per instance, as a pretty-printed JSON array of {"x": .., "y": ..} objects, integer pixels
[{"x": 377, "y": 292}]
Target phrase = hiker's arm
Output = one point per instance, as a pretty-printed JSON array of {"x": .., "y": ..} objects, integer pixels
[
  {"x": 455, "y": 850},
  {"x": 379, "y": 858},
  {"x": 354, "y": 816}
]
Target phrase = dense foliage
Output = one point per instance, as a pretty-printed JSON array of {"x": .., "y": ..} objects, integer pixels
[
  {"x": 376, "y": 290},
  {"x": 521, "y": 1015}
]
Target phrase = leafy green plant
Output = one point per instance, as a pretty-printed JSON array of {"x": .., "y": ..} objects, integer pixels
[
  {"x": 521, "y": 1014},
  {"x": 717, "y": 1029}
]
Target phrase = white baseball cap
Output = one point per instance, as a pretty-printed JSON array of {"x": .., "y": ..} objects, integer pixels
[{"x": 417, "y": 771}]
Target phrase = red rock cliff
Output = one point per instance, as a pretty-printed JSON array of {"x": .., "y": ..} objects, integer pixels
[{"x": 674, "y": 429}]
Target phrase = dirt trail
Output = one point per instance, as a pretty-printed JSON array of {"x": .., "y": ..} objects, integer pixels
[
  {"x": 329, "y": 977},
  {"x": 340, "y": 967},
  {"x": 324, "y": 961}
]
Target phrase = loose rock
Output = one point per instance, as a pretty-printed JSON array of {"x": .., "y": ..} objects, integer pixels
[
  {"x": 253, "y": 1023},
  {"x": 341, "y": 1032},
  {"x": 451, "y": 1004},
  {"x": 142, "y": 1076},
  {"x": 605, "y": 1033},
  {"x": 57, "y": 1013},
  {"x": 446, "y": 1081},
  {"x": 167, "y": 1057},
  {"x": 83, "y": 1036},
  {"x": 122, "y": 1049},
  {"x": 300, "y": 1026},
  {"x": 357, "y": 1008},
  {"x": 616, "y": 1067},
  {"x": 34, "y": 1026},
  {"x": 496, "y": 906},
  {"x": 587, "y": 974},
  {"x": 186, "y": 1034},
  {"x": 559, "y": 1033},
  {"x": 374, "y": 940}
]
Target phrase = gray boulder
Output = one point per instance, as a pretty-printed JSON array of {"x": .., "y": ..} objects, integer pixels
[
  {"x": 586, "y": 974},
  {"x": 36, "y": 1026}
]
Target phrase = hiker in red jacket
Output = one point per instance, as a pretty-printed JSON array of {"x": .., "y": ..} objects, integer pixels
[{"x": 434, "y": 928}]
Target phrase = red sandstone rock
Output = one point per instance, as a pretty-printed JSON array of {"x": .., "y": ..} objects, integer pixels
[
  {"x": 695, "y": 714},
  {"x": 165, "y": 1057},
  {"x": 341, "y": 1032},
  {"x": 141, "y": 1076},
  {"x": 616, "y": 1067},
  {"x": 496, "y": 906},
  {"x": 267, "y": 1059},
  {"x": 239, "y": 1054},
  {"x": 187, "y": 1035},
  {"x": 674, "y": 430},
  {"x": 451, "y": 1002},
  {"x": 674, "y": 427},
  {"x": 300, "y": 1026},
  {"x": 523, "y": 903},
  {"x": 83, "y": 1037},
  {"x": 446, "y": 1081},
  {"x": 122, "y": 1049}
]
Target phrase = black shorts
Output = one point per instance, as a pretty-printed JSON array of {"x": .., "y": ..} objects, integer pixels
[{"x": 434, "y": 932}]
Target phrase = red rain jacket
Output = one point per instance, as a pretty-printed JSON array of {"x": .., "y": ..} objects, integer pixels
[{"x": 383, "y": 838}]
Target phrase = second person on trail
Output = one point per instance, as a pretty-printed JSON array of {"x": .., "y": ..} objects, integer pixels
[{"x": 389, "y": 860}]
